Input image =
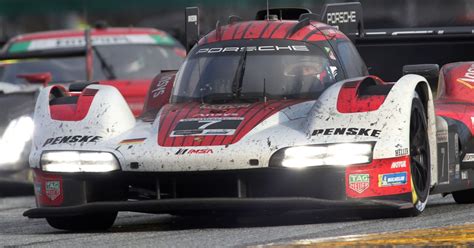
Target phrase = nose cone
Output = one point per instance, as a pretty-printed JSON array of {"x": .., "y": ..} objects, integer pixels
[{"x": 196, "y": 124}]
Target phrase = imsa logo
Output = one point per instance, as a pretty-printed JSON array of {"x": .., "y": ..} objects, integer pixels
[{"x": 193, "y": 151}]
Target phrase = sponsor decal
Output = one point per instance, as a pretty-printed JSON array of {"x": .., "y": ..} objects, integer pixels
[
  {"x": 269, "y": 48},
  {"x": 224, "y": 106},
  {"x": 398, "y": 164},
  {"x": 206, "y": 126},
  {"x": 341, "y": 17},
  {"x": 402, "y": 152},
  {"x": 210, "y": 115},
  {"x": 52, "y": 189},
  {"x": 392, "y": 179},
  {"x": 469, "y": 157},
  {"x": 359, "y": 182},
  {"x": 132, "y": 141},
  {"x": 468, "y": 79},
  {"x": 442, "y": 136},
  {"x": 194, "y": 151},
  {"x": 457, "y": 171},
  {"x": 160, "y": 88},
  {"x": 71, "y": 139},
  {"x": 348, "y": 131},
  {"x": 38, "y": 187},
  {"x": 192, "y": 18}
]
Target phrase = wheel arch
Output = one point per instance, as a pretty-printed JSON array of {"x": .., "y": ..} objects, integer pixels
[{"x": 425, "y": 94}]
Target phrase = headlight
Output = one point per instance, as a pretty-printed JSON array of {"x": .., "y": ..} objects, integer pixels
[
  {"x": 13, "y": 141},
  {"x": 333, "y": 154},
  {"x": 75, "y": 161}
]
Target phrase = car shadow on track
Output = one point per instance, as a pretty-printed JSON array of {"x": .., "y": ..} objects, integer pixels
[{"x": 171, "y": 223}]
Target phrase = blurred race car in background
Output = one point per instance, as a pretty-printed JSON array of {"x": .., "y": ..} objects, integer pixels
[{"x": 126, "y": 58}]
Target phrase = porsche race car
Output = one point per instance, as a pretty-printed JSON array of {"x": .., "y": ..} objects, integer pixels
[{"x": 274, "y": 114}]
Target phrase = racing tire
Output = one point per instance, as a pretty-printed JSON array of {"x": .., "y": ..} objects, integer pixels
[
  {"x": 420, "y": 170},
  {"x": 91, "y": 222}
]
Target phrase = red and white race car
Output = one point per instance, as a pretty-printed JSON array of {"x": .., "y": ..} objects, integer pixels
[
  {"x": 264, "y": 115},
  {"x": 127, "y": 58}
]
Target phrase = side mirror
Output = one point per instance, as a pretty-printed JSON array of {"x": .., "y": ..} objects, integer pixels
[
  {"x": 37, "y": 78},
  {"x": 429, "y": 71}
]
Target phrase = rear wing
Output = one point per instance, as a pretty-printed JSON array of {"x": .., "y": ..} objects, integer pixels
[
  {"x": 86, "y": 51},
  {"x": 53, "y": 53},
  {"x": 386, "y": 51},
  {"x": 347, "y": 17}
]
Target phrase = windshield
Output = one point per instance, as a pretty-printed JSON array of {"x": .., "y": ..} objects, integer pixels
[
  {"x": 110, "y": 62},
  {"x": 254, "y": 70}
]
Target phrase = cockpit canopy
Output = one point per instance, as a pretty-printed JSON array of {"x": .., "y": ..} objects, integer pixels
[{"x": 251, "y": 70}]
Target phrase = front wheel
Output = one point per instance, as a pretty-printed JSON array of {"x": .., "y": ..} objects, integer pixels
[
  {"x": 420, "y": 169},
  {"x": 90, "y": 222}
]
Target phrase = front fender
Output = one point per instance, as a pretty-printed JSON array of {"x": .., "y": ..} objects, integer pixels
[
  {"x": 389, "y": 124},
  {"x": 107, "y": 116}
]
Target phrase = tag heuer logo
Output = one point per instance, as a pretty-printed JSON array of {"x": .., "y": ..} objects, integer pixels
[
  {"x": 52, "y": 189},
  {"x": 359, "y": 182}
]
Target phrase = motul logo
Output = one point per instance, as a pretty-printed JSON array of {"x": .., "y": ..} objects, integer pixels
[{"x": 193, "y": 151}]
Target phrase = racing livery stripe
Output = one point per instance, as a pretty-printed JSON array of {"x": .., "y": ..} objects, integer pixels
[
  {"x": 73, "y": 111},
  {"x": 254, "y": 31},
  {"x": 212, "y": 140},
  {"x": 272, "y": 31},
  {"x": 264, "y": 29},
  {"x": 300, "y": 34},
  {"x": 167, "y": 120},
  {"x": 290, "y": 31},
  {"x": 267, "y": 29},
  {"x": 245, "y": 30},
  {"x": 305, "y": 38},
  {"x": 282, "y": 30},
  {"x": 214, "y": 122},
  {"x": 228, "y": 33},
  {"x": 180, "y": 140},
  {"x": 179, "y": 115},
  {"x": 237, "y": 26},
  {"x": 239, "y": 32},
  {"x": 253, "y": 120},
  {"x": 255, "y": 109},
  {"x": 219, "y": 138}
]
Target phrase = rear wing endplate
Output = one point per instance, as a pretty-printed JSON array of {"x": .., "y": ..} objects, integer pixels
[{"x": 347, "y": 17}]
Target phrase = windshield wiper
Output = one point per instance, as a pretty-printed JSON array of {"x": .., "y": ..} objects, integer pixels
[
  {"x": 239, "y": 76},
  {"x": 106, "y": 67}
]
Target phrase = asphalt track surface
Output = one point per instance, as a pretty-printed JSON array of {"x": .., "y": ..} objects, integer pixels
[{"x": 144, "y": 230}]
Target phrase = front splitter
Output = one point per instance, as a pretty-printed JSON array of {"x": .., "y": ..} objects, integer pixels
[{"x": 274, "y": 204}]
